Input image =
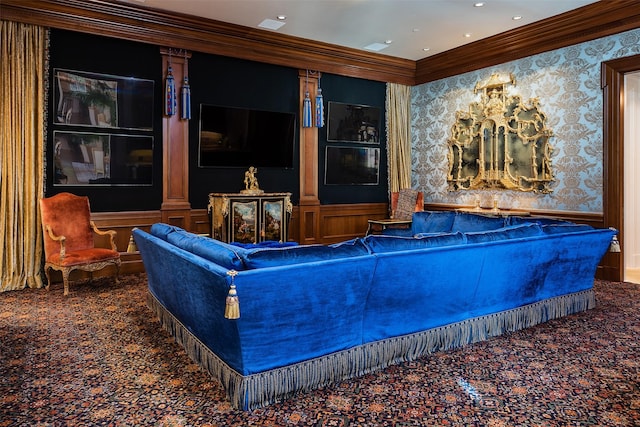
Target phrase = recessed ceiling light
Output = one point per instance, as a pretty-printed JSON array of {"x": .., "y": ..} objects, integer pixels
[
  {"x": 271, "y": 24},
  {"x": 282, "y": 17},
  {"x": 426, "y": 49},
  {"x": 376, "y": 47},
  {"x": 478, "y": 4},
  {"x": 517, "y": 18},
  {"x": 388, "y": 41},
  {"x": 415, "y": 30},
  {"x": 467, "y": 35}
]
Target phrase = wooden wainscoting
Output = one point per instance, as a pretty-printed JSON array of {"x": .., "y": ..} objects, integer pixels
[
  {"x": 200, "y": 222},
  {"x": 123, "y": 223},
  {"x": 337, "y": 223},
  {"x": 343, "y": 222}
]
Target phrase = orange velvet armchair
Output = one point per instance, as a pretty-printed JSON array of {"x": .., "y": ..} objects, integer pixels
[{"x": 68, "y": 238}]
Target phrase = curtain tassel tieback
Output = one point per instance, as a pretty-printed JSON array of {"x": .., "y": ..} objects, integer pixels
[
  {"x": 319, "y": 109},
  {"x": 186, "y": 100},
  {"x": 185, "y": 97},
  {"x": 307, "y": 117},
  {"x": 232, "y": 307},
  {"x": 170, "y": 93}
]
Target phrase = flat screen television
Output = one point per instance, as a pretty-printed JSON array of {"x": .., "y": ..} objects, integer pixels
[
  {"x": 102, "y": 100},
  {"x": 353, "y": 123},
  {"x": 243, "y": 137},
  {"x": 352, "y": 166}
]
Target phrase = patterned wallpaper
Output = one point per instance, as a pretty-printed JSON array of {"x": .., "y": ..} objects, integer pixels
[{"x": 567, "y": 83}]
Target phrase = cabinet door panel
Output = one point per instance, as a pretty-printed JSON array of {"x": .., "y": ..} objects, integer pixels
[
  {"x": 244, "y": 221},
  {"x": 273, "y": 224}
]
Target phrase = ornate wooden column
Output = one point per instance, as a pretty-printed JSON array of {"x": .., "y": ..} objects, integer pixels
[
  {"x": 175, "y": 208},
  {"x": 309, "y": 205}
]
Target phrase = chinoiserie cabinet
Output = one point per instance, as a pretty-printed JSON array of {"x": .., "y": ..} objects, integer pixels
[{"x": 250, "y": 218}]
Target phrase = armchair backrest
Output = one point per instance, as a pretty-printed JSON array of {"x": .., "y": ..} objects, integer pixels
[
  {"x": 405, "y": 202},
  {"x": 68, "y": 215}
]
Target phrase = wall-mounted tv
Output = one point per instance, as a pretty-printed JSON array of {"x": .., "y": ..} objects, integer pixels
[
  {"x": 99, "y": 159},
  {"x": 353, "y": 123},
  {"x": 102, "y": 100},
  {"x": 351, "y": 166},
  {"x": 243, "y": 137}
]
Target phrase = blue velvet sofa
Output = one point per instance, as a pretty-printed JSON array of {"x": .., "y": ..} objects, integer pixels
[{"x": 312, "y": 315}]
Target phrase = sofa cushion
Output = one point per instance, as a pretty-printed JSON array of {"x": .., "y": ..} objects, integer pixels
[
  {"x": 432, "y": 222},
  {"x": 223, "y": 254},
  {"x": 264, "y": 244},
  {"x": 271, "y": 257},
  {"x": 378, "y": 243},
  {"x": 565, "y": 228},
  {"x": 469, "y": 222},
  {"x": 162, "y": 230},
  {"x": 183, "y": 239},
  {"x": 515, "y": 220},
  {"x": 510, "y": 232},
  {"x": 406, "y": 232},
  {"x": 423, "y": 235}
]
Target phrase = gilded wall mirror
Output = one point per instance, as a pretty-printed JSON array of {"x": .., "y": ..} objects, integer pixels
[{"x": 500, "y": 142}]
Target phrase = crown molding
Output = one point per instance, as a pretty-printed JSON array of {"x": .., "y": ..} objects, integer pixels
[
  {"x": 143, "y": 24},
  {"x": 147, "y": 25},
  {"x": 596, "y": 20}
]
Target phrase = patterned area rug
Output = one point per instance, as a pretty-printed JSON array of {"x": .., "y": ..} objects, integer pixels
[{"x": 99, "y": 358}]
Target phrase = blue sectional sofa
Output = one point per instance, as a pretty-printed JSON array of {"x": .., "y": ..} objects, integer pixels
[{"x": 312, "y": 315}]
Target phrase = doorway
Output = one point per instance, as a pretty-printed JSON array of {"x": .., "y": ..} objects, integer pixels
[
  {"x": 616, "y": 187},
  {"x": 631, "y": 177}
]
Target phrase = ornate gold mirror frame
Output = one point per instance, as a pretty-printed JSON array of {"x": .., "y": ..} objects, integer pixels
[{"x": 500, "y": 142}]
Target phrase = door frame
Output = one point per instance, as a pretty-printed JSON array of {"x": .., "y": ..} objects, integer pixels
[{"x": 612, "y": 83}]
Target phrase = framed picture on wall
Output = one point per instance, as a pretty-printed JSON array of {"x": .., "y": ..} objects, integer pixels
[
  {"x": 244, "y": 222},
  {"x": 102, "y": 100},
  {"x": 353, "y": 123},
  {"x": 352, "y": 165},
  {"x": 94, "y": 159}
]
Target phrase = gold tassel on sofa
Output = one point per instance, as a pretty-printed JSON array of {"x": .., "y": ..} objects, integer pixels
[
  {"x": 132, "y": 247},
  {"x": 614, "y": 246},
  {"x": 232, "y": 307}
]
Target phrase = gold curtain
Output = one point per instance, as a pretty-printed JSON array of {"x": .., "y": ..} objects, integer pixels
[
  {"x": 398, "y": 107},
  {"x": 23, "y": 49}
]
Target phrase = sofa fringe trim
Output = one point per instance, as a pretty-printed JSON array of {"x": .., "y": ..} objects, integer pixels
[{"x": 249, "y": 392}]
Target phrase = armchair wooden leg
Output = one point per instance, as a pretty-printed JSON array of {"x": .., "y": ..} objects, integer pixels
[
  {"x": 118, "y": 271},
  {"x": 47, "y": 275},
  {"x": 65, "y": 279}
]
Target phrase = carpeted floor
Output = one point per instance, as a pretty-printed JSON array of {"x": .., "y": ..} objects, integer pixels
[{"x": 98, "y": 357}]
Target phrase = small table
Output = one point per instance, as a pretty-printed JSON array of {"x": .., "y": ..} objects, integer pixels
[{"x": 379, "y": 225}]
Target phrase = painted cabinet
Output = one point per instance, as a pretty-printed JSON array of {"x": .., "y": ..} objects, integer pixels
[{"x": 250, "y": 218}]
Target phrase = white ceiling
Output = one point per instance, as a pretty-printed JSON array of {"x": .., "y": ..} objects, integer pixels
[{"x": 411, "y": 25}]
